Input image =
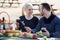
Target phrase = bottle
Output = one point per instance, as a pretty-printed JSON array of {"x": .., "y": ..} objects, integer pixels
[
  {"x": 45, "y": 38},
  {"x": 1, "y": 27},
  {"x": 3, "y": 23},
  {"x": 13, "y": 26}
]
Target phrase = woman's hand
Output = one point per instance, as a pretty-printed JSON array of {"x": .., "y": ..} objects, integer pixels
[{"x": 28, "y": 29}]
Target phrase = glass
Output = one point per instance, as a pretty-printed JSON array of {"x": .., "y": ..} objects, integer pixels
[
  {"x": 17, "y": 20},
  {"x": 43, "y": 29},
  {"x": 7, "y": 26},
  {"x": 1, "y": 27}
]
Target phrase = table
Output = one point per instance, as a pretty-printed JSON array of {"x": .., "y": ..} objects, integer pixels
[{"x": 17, "y": 38}]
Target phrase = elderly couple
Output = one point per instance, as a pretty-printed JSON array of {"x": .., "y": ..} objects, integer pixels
[{"x": 32, "y": 24}]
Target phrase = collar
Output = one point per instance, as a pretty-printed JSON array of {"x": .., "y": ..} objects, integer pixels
[{"x": 50, "y": 18}]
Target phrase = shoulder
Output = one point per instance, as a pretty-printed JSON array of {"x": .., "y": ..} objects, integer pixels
[
  {"x": 57, "y": 19},
  {"x": 42, "y": 18},
  {"x": 35, "y": 18},
  {"x": 22, "y": 17}
]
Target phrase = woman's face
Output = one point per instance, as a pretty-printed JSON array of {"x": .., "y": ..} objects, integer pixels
[{"x": 29, "y": 10}]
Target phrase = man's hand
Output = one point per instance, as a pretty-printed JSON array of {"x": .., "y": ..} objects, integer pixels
[
  {"x": 46, "y": 33},
  {"x": 28, "y": 29}
]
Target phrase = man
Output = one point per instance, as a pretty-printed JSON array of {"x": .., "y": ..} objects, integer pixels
[{"x": 50, "y": 21}]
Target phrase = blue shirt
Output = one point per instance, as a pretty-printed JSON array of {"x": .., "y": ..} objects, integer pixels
[{"x": 52, "y": 24}]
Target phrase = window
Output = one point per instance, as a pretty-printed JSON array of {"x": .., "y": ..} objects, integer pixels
[{"x": 9, "y": 3}]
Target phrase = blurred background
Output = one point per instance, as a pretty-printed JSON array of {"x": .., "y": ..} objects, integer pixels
[{"x": 12, "y": 9}]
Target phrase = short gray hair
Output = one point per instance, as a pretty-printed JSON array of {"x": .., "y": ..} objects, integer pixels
[{"x": 26, "y": 5}]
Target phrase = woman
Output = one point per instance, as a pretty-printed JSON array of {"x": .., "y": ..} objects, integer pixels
[{"x": 28, "y": 21}]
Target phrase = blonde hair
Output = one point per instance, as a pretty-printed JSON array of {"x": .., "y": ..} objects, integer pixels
[{"x": 26, "y": 5}]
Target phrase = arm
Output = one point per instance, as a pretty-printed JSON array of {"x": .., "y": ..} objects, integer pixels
[
  {"x": 57, "y": 30},
  {"x": 21, "y": 26},
  {"x": 38, "y": 27},
  {"x": 36, "y": 20}
]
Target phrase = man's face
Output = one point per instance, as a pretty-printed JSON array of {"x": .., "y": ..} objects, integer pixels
[{"x": 41, "y": 10}]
